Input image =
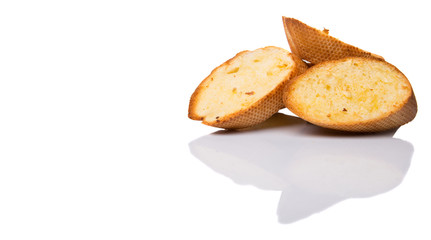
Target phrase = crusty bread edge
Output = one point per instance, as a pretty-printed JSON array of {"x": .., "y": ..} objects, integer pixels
[
  {"x": 289, "y": 22},
  {"x": 252, "y": 115},
  {"x": 405, "y": 113},
  {"x": 287, "y": 31}
]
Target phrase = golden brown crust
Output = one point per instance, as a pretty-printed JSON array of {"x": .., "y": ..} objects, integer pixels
[
  {"x": 255, "y": 113},
  {"x": 317, "y": 46},
  {"x": 399, "y": 116}
]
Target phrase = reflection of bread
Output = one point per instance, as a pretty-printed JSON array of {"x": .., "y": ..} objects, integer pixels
[
  {"x": 316, "y": 46},
  {"x": 246, "y": 89},
  {"x": 352, "y": 94}
]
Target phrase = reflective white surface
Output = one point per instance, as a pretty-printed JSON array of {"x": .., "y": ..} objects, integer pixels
[
  {"x": 312, "y": 167},
  {"x": 95, "y": 142}
]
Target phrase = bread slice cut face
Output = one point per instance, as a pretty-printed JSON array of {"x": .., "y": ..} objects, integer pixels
[
  {"x": 246, "y": 89},
  {"x": 352, "y": 94},
  {"x": 317, "y": 46}
]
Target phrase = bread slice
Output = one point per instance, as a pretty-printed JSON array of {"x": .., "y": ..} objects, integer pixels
[
  {"x": 352, "y": 94},
  {"x": 246, "y": 89},
  {"x": 317, "y": 46}
]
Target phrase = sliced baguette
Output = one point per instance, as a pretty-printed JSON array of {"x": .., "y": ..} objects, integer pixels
[
  {"x": 317, "y": 46},
  {"x": 246, "y": 89},
  {"x": 352, "y": 94}
]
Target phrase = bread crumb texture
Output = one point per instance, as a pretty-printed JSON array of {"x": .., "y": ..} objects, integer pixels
[
  {"x": 238, "y": 85},
  {"x": 352, "y": 94}
]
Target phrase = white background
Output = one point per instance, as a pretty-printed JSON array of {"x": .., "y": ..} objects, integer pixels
[{"x": 95, "y": 142}]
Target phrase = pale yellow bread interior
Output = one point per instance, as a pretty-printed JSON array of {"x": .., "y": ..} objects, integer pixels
[
  {"x": 317, "y": 46},
  {"x": 246, "y": 89},
  {"x": 352, "y": 94}
]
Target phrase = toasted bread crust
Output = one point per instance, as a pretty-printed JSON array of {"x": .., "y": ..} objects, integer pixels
[{"x": 317, "y": 46}]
